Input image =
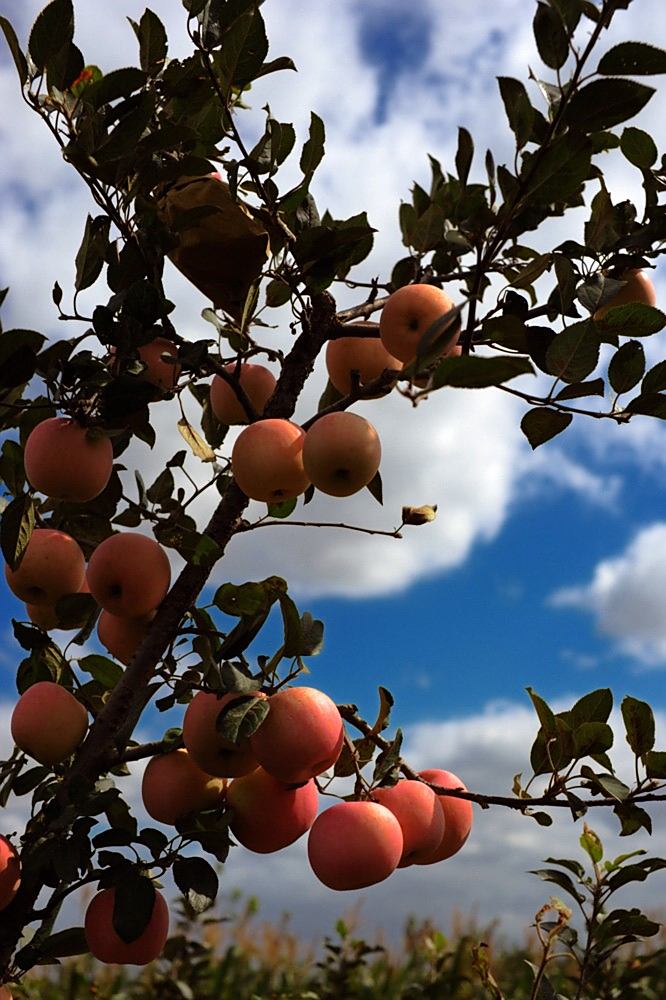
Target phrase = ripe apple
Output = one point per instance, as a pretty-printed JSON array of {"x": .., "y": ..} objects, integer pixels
[
  {"x": 162, "y": 374},
  {"x": 458, "y": 815},
  {"x": 417, "y": 810},
  {"x": 122, "y": 636},
  {"x": 407, "y": 315},
  {"x": 45, "y": 616},
  {"x": 5, "y": 994},
  {"x": 267, "y": 814},
  {"x": 341, "y": 453},
  {"x": 129, "y": 574},
  {"x": 10, "y": 872},
  {"x": 52, "y": 566},
  {"x": 639, "y": 287},
  {"x": 267, "y": 461},
  {"x": 108, "y": 947},
  {"x": 65, "y": 461},
  {"x": 366, "y": 355},
  {"x": 214, "y": 754},
  {"x": 257, "y": 382},
  {"x": 354, "y": 844},
  {"x": 300, "y": 737},
  {"x": 48, "y": 722},
  {"x": 174, "y": 786}
]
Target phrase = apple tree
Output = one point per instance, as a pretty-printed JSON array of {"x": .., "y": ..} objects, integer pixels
[{"x": 175, "y": 180}]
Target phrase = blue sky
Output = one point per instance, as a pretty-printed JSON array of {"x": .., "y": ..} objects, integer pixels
[{"x": 460, "y": 616}]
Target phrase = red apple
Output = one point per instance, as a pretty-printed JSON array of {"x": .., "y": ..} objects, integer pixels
[
  {"x": 122, "y": 636},
  {"x": 174, "y": 786},
  {"x": 408, "y": 313},
  {"x": 48, "y": 722},
  {"x": 300, "y": 737},
  {"x": 458, "y": 815},
  {"x": 214, "y": 754},
  {"x": 267, "y": 461},
  {"x": 257, "y": 382},
  {"x": 354, "y": 844},
  {"x": 638, "y": 287},
  {"x": 341, "y": 453},
  {"x": 67, "y": 461},
  {"x": 129, "y": 574},
  {"x": 107, "y": 946},
  {"x": 267, "y": 814},
  {"x": 366, "y": 355},
  {"x": 52, "y": 566},
  {"x": 417, "y": 810},
  {"x": 10, "y": 872}
]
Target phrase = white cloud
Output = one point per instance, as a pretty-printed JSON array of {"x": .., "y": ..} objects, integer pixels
[{"x": 625, "y": 595}]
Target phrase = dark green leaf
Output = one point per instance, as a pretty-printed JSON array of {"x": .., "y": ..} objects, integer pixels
[
  {"x": 52, "y": 31},
  {"x": 650, "y": 404},
  {"x": 655, "y": 763},
  {"x": 476, "y": 372},
  {"x": 638, "y": 147},
  {"x": 541, "y": 424},
  {"x": 632, "y": 818},
  {"x": 312, "y": 635},
  {"x": 243, "y": 51},
  {"x": 91, "y": 254},
  {"x": 198, "y": 882},
  {"x": 595, "y": 387},
  {"x": 627, "y": 366},
  {"x": 17, "y": 53},
  {"x": 593, "y": 707},
  {"x": 282, "y": 510},
  {"x": 152, "y": 42},
  {"x": 560, "y": 171},
  {"x": 464, "y": 155},
  {"x": 655, "y": 379},
  {"x": 18, "y": 521},
  {"x": 518, "y": 108},
  {"x": 133, "y": 907},
  {"x": 73, "y": 610},
  {"x": 639, "y": 724},
  {"x": 313, "y": 150},
  {"x": 119, "y": 83},
  {"x": 64, "y": 944},
  {"x": 558, "y": 878},
  {"x": 275, "y": 65},
  {"x": 106, "y": 672},
  {"x": 633, "y": 59},
  {"x": 376, "y": 488},
  {"x": 591, "y": 738},
  {"x": 544, "y": 712},
  {"x": 574, "y": 353},
  {"x": 291, "y": 621},
  {"x": 235, "y": 680},
  {"x": 633, "y": 320},
  {"x": 551, "y": 36},
  {"x": 605, "y": 103},
  {"x": 241, "y": 717},
  {"x": 245, "y": 599}
]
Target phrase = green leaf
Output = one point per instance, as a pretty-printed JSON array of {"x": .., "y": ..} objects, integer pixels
[
  {"x": 16, "y": 527},
  {"x": 64, "y": 944},
  {"x": 20, "y": 61},
  {"x": 558, "y": 878},
  {"x": 119, "y": 83},
  {"x": 639, "y": 724},
  {"x": 18, "y": 350},
  {"x": 291, "y": 621},
  {"x": 633, "y": 320},
  {"x": 560, "y": 171},
  {"x": 476, "y": 372},
  {"x": 464, "y": 154},
  {"x": 92, "y": 252},
  {"x": 574, "y": 353},
  {"x": 595, "y": 387},
  {"x": 544, "y": 712},
  {"x": 632, "y": 818},
  {"x": 312, "y": 635},
  {"x": 243, "y": 51},
  {"x": 518, "y": 108},
  {"x": 241, "y": 717},
  {"x": 105, "y": 671},
  {"x": 386, "y": 703},
  {"x": 73, "y": 610},
  {"x": 650, "y": 404},
  {"x": 655, "y": 763},
  {"x": 551, "y": 36},
  {"x": 282, "y": 510},
  {"x": 376, "y": 488},
  {"x": 313, "y": 150},
  {"x": 245, "y": 599},
  {"x": 133, "y": 907},
  {"x": 605, "y": 103},
  {"x": 152, "y": 42},
  {"x": 198, "y": 882},
  {"x": 53, "y": 30},
  {"x": 541, "y": 424},
  {"x": 593, "y": 707},
  {"x": 592, "y": 845},
  {"x": 591, "y": 738},
  {"x": 655, "y": 379},
  {"x": 633, "y": 59},
  {"x": 275, "y": 65},
  {"x": 627, "y": 366},
  {"x": 638, "y": 147}
]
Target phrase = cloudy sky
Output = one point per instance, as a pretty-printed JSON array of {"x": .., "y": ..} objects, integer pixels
[{"x": 546, "y": 569}]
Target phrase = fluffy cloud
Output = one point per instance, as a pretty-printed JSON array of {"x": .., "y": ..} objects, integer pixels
[{"x": 625, "y": 595}]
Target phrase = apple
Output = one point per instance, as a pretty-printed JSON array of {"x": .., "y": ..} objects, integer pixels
[
  {"x": 300, "y": 737},
  {"x": 639, "y": 287},
  {"x": 45, "y": 615},
  {"x": 66, "y": 461},
  {"x": 48, "y": 722},
  {"x": 122, "y": 636},
  {"x": 129, "y": 574},
  {"x": 354, "y": 844},
  {"x": 162, "y": 374},
  {"x": 257, "y": 382},
  {"x": 5, "y": 994},
  {"x": 458, "y": 816},
  {"x": 52, "y": 566},
  {"x": 366, "y": 355},
  {"x": 174, "y": 786},
  {"x": 408, "y": 313},
  {"x": 267, "y": 461},
  {"x": 10, "y": 872},
  {"x": 208, "y": 748},
  {"x": 341, "y": 453},
  {"x": 106, "y": 945},
  {"x": 268, "y": 814},
  {"x": 417, "y": 810}
]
